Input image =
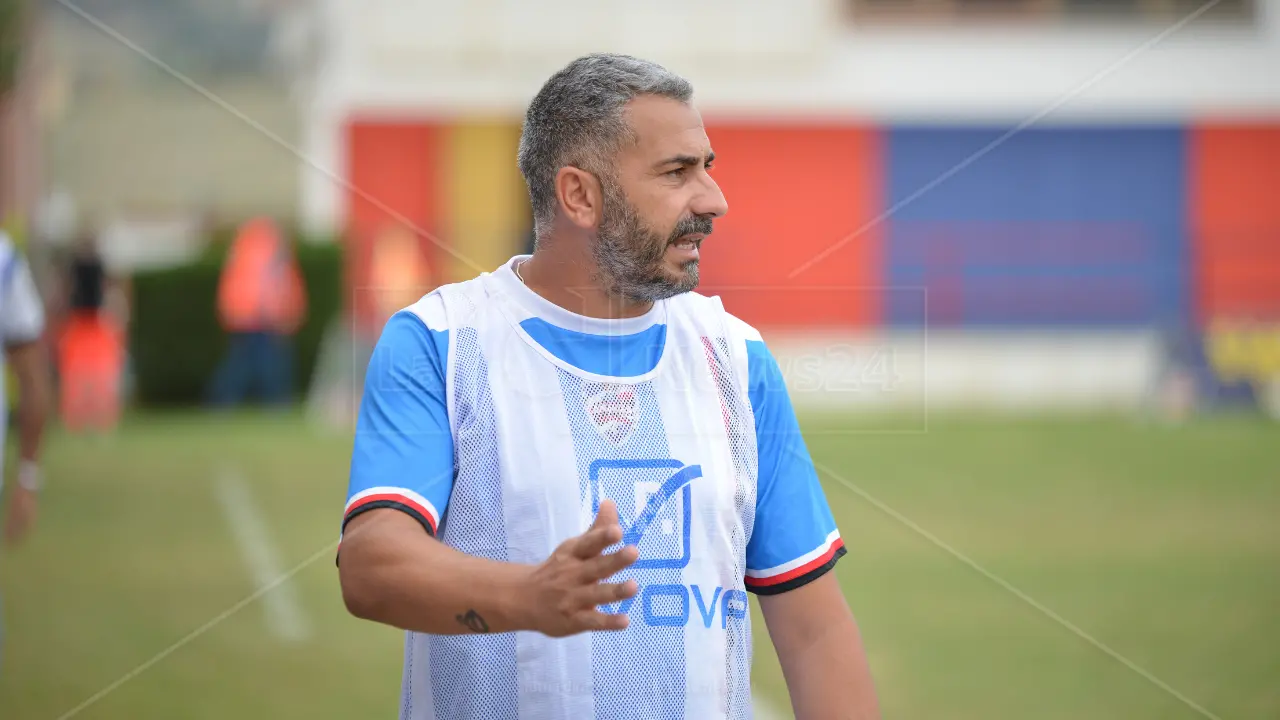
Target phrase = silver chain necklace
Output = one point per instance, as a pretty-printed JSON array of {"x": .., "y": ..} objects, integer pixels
[{"x": 517, "y": 269}]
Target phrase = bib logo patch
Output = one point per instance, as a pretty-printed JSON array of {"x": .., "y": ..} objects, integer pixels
[{"x": 613, "y": 412}]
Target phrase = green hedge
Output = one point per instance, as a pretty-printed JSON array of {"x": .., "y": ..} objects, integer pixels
[{"x": 177, "y": 343}]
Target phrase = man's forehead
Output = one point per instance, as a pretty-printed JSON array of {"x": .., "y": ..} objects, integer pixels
[{"x": 663, "y": 126}]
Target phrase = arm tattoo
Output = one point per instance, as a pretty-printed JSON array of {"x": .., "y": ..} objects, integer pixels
[{"x": 473, "y": 622}]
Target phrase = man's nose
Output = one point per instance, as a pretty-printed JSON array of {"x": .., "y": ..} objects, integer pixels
[{"x": 710, "y": 201}]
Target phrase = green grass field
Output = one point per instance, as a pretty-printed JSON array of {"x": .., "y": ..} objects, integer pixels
[{"x": 1162, "y": 543}]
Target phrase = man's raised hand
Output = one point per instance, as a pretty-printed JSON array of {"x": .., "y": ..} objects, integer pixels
[{"x": 566, "y": 590}]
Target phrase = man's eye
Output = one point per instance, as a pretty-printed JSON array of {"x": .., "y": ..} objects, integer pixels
[
  {"x": 708, "y": 166},
  {"x": 676, "y": 173}
]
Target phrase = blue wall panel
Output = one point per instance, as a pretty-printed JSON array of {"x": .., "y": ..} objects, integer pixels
[{"x": 1052, "y": 227}]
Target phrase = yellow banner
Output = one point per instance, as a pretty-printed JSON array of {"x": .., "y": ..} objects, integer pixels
[{"x": 485, "y": 196}]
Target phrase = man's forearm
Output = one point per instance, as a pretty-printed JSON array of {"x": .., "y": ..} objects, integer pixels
[
  {"x": 34, "y": 398},
  {"x": 820, "y": 649},
  {"x": 411, "y": 581},
  {"x": 828, "y": 680},
  {"x": 33, "y": 414}
]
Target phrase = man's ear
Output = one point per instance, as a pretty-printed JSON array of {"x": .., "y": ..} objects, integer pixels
[{"x": 580, "y": 196}]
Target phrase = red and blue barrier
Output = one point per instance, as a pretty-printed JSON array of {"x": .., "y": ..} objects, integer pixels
[{"x": 841, "y": 224}]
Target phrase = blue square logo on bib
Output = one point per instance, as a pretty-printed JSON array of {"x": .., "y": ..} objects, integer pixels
[{"x": 654, "y": 499}]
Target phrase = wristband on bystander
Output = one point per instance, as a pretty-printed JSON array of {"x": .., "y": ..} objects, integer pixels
[{"x": 29, "y": 476}]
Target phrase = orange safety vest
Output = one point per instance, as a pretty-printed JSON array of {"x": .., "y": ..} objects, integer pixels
[
  {"x": 261, "y": 288},
  {"x": 399, "y": 273}
]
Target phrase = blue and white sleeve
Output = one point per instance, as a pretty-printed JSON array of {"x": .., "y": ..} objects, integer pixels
[
  {"x": 403, "y": 453},
  {"x": 794, "y": 540}
]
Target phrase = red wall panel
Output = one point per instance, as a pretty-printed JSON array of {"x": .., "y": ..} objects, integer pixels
[
  {"x": 794, "y": 193},
  {"x": 391, "y": 166},
  {"x": 1235, "y": 220}
]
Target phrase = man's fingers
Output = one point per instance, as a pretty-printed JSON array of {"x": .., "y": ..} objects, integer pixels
[
  {"x": 594, "y": 541},
  {"x": 594, "y": 620},
  {"x": 605, "y": 566},
  {"x": 608, "y": 515},
  {"x": 604, "y": 531},
  {"x": 605, "y": 593}
]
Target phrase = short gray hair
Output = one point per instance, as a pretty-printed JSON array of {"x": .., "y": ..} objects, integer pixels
[{"x": 577, "y": 119}]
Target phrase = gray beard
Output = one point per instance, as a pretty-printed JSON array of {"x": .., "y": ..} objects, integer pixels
[{"x": 629, "y": 256}]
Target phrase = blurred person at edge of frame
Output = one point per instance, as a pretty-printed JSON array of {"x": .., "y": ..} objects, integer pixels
[
  {"x": 261, "y": 304},
  {"x": 90, "y": 347},
  {"x": 22, "y": 325},
  {"x": 399, "y": 275},
  {"x": 400, "y": 272}
]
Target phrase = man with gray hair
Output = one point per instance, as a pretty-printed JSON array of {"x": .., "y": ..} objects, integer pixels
[{"x": 569, "y": 472}]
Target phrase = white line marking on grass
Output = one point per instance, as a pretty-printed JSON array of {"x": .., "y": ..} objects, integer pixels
[
  {"x": 191, "y": 636},
  {"x": 285, "y": 618}
]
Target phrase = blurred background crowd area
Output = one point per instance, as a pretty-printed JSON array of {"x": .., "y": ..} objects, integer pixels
[
  {"x": 1009, "y": 175},
  {"x": 982, "y": 238}
]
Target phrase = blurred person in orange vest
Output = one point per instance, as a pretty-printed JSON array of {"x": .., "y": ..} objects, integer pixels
[
  {"x": 398, "y": 276},
  {"x": 90, "y": 348},
  {"x": 399, "y": 273},
  {"x": 261, "y": 303}
]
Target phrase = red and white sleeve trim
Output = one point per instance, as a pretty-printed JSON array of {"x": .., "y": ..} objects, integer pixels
[
  {"x": 798, "y": 572},
  {"x": 402, "y": 499}
]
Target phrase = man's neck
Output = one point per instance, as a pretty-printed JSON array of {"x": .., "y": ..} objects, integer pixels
[{"x": 572, "y": 281}]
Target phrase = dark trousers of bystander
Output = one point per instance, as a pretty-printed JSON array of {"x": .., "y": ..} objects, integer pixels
[{"x": 258, "y": 363}]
